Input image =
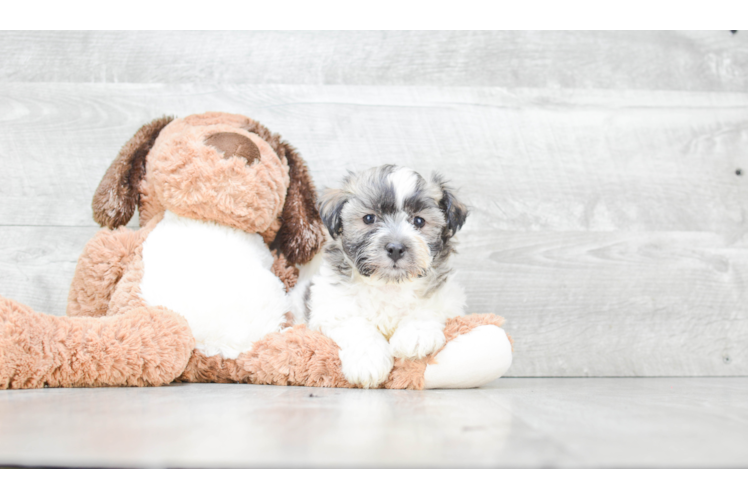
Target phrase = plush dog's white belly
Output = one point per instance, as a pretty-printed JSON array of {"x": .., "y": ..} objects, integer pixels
[{"x": 218, "y": 278}]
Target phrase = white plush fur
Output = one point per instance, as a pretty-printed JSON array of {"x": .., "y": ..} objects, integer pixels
[
  {"x": 218, "y": 278},
  {"x": 471, "y": 360}
]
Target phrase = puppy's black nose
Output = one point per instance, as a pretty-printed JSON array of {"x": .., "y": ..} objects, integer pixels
[{"x": 395, "y": 250}]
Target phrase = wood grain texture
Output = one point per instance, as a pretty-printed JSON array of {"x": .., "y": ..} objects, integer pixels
[
  {"x": 546, "y": 159},
  {"x": 613, "y": 303},
  {"x": 662, "y": 60},
  {"x": 37, "y": 264}
]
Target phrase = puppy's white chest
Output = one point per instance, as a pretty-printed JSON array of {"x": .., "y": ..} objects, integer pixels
[
  {"x": 386, "y": 306},
  {"x": 218, "y": 278}
]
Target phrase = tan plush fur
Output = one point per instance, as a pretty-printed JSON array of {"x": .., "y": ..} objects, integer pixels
[
  {"x": 296, "y": 230},
  {"x": 112, "y": 337},
  {"x": 107, "y": 278},
  {"x": 299, "y": 356},
  {"x": 147, "y": 346},
  {"x": 287, "y": 273},
  {"x": 190, "y": 179}
]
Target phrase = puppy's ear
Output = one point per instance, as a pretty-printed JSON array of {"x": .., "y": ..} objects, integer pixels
[
  {"x": 330, "y": 207},
  {"x": 117, "y": 195},
  {"x": 301, "y": 234},
  {"x": 455, "y": 212}
]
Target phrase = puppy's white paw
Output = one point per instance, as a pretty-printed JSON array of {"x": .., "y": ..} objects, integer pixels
[
  {"x": 367, "y": 364},
  {"x": 416, "y": 339}
]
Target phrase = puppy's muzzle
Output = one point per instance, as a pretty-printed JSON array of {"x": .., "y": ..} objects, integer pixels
[{"x": 395, "y": 251}]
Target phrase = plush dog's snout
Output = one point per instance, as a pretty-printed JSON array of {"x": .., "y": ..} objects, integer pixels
[{"x": 395, "y": 250}]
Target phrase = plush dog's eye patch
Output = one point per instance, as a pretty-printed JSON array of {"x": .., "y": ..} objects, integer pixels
[{"x": 230, "y": 144}]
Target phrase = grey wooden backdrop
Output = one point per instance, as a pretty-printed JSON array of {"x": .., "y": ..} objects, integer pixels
[{"x": 608, "y": 218}]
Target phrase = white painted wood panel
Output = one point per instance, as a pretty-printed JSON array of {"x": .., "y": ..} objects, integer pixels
[
  {"x": 614, "y": 303},
  {"x": 37, "y": 264},
  {"x": 662, "y": 60},
  {"x": 526, "y": 159}
]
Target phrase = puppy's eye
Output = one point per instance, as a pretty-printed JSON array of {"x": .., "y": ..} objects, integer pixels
[
  {"x": 419, "y": 222},
  {"x": 369, "y": 219}
]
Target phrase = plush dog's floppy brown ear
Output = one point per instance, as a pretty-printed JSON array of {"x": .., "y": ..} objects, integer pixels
[
  {"x": 117, "y": 195},
  {"x": 301, "y": 234}
]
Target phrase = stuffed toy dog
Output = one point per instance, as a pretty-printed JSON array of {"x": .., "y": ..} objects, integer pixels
[{"x": 199, "y": 293}]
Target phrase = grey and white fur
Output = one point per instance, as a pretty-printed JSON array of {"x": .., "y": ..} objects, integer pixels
[{"x": 384, "y": 287}]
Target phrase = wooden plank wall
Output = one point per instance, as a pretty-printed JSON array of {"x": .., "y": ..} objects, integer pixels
[{"x": 608, "y": 220}]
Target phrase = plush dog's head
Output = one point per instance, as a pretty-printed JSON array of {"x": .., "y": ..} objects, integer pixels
[
  {"x": 390, "y": 223},
  {"x": 216, "y": 167}
]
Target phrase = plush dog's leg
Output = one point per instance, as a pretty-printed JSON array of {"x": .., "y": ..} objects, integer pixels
[
  {"x": 146, "y": 346},
  {"x": 294, "y": 356},
  {"x": 477, "y": 351}
]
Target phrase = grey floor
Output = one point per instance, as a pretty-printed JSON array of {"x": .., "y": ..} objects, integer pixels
[{"x": 513, "y": 422}]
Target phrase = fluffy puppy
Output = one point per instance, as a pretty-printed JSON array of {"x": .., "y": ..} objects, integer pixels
[{"x": 384, "y": 288}]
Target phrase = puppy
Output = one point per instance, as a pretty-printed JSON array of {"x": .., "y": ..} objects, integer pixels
[{"x": 384, "y": 287}]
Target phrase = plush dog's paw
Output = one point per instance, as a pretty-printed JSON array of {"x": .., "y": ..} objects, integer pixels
[
  {"x": 416, "y": 339},
  {"x": 367, "y": 365}
]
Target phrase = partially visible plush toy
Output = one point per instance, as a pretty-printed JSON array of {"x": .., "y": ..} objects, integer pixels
[{"x": 198, "y": 293}]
